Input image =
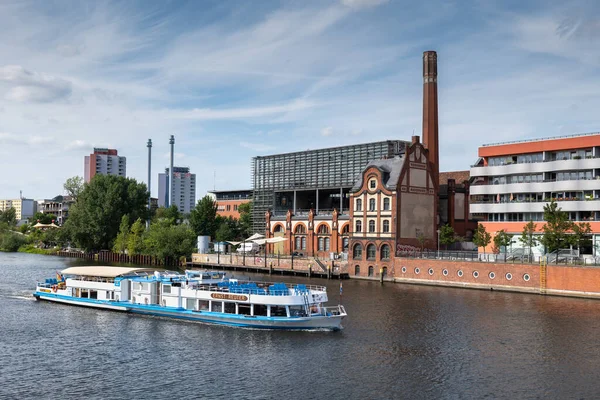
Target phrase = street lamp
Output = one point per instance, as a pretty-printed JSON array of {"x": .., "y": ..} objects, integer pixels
[{"x": 438, "y": 244}]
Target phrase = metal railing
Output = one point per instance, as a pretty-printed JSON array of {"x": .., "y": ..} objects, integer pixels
[{"x": 509, "y": 258}]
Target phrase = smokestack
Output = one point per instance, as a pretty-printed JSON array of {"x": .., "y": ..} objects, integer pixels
[
  {"x": 172, "y": 143},
  {"x": 430, "y": 109},
  {"x": 149, "y": 145}
]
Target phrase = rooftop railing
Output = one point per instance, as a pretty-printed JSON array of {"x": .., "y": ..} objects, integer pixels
[{"x": 541, "y": 139}]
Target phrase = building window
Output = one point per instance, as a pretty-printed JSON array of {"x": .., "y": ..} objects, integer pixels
[
  {"x": 326, "y": 244},
  {"x": 345, "y": 242},
  {"x": 357, "y": 251},
  {"x": 228, "y": 207},
  {"x": 371, "y": 204},
  {"x": 278, "y": 228},
  {"x": 384, "y": 272},
  {"x": 321, "y": 245},
  {"x": 386, "y": 204},
  {"x": 323, "y": 229},
  {"x": 357, "y": 270},
  {"x": 300, "y": 229},
  {"x": 386, "y": 226},
  {"x": 372, "y": 184},
  {"x": 385, "y": 252},
  {"x": 359, "y": 226},
  {"x": 358, "y": 205},
  {"x": 370, "y": 270},
  {"x": 235, "y": 207},
  {"x": 372, "y": 225},
  {"x": 300, "y": 243},
  {"x": 371, "y": 252}
]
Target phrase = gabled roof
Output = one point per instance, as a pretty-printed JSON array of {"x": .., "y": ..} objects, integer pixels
[{"x": 392, "y": 167}]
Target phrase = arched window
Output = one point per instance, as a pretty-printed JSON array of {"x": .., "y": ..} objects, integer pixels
[
  {"x": 386, "y": 204},
  {"x": 386, "y": 226},
  {"x": 357, "y": 270},
  {"x": 321, "y": 244},
  {"x": 298, "y": 243},
  {"x": 300, "y": 229},
  {"x": 358, "y": 205},
  {"x": 371, "y": 204},
  {"x": 385, "y": 252},
  {"x": 357, "y": 251},
  {"x": 345, "y": 242},
  {"x": 326, "y": 244},
  {"x": 384, "y": 271},
  {"x": 323, "y": 229},
  {"x": 278, "y": 228},
  {"x": 370, "y": 270},
  {"x": 346, "y": 229},
  {"x": 358, "y": 225},
  {"x": 372, "y": 225},
  {"x": 371, "y": 251}
]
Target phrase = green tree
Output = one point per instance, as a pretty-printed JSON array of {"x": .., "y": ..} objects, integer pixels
[
  {"x": 164, "y": 240},
  {"x": 481, "y": 237},
  {"x": 74, "y": 187},
  {"x": 203, "y": 218},
  {"x": 556, "y": 227},
  {"x": 43, "y": 218},
  {"x": 422, "y": 240},
  {"x": 528, "y": 238},
  {"x": 245, "y": 222},
  {"x": 95, "y": 218},
  {"x": 502, "y": 239},
  {"x": 9, "y": 217},
  {"x": 171, "y": 213},
  {"x": 447, "y": 235},
  {"x": 224, "y": 233},
  {"x": 122, "y": 239},
  {"x": 135, "y": 239},
  {"x": 11, "y": 241},
  {"x": 581, "y": 235}
]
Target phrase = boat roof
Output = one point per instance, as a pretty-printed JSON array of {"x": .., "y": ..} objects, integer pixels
[{"x": 104, "y": 271}]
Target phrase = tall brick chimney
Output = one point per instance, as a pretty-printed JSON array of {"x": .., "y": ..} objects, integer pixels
[{"x": 430, "y": 109}]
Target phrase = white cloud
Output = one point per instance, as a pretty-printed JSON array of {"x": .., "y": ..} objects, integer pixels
[
  {"x": 327, "y": 131},
  {"x": 27, "y": 86},
  {"x": 241, "y": 113},
  {"x": 258, "y": 147},
  {"x": 78, "y": 145},
  {"x": 363, "y": 3}
]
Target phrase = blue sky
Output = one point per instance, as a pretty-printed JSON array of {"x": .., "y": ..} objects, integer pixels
[{"x": 236, "y": 79}]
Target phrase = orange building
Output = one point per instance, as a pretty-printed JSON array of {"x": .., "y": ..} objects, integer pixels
[
  {"x": 228, "y": 201},
  {"x": 513, "y": 181}
]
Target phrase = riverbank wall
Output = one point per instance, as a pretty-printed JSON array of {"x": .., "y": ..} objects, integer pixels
[{"x": 110, "y": 257}]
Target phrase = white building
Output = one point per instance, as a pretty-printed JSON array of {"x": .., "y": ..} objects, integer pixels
[
  {"x": 183, "y": 189},
  {"x": 105, "y": 162},
  {"x": 24, "y": 208}
]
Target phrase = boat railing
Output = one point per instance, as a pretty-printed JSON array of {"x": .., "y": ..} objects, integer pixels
[{"x": 334, "y": 310}]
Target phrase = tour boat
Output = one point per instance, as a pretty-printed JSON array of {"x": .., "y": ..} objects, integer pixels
[{"x": 203, "y": 296}]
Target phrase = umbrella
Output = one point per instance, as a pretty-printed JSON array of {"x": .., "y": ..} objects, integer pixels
[{"x": 254, "y": 237}]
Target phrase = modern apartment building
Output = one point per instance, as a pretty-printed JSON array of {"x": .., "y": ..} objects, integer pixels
[
  {"x": 183, "y": 189},
  {"x": 105, "y": 162},
  {"x": 513, "y": 181},
  {"x": 228, "y": 201},
  {"x": 24, "y": 208}
]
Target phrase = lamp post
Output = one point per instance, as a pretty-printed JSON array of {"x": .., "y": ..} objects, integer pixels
[{"x": 438, "y": 244}]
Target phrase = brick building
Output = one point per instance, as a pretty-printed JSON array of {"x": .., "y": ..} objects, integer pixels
[{"x": 228, "y": 201}]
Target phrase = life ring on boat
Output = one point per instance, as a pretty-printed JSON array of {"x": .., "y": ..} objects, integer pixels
[
  {"x": 146, "y": 301},
  {"x": 54, "y": 288}
]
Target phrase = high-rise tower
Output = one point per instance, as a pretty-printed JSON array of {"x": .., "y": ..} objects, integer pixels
[{"x": 430, "y": 109}]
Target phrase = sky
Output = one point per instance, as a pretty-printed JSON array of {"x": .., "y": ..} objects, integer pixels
[{"x": 236, "y": 79}]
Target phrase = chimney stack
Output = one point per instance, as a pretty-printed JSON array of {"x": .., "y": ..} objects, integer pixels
[{"x": 430, "y": 109}]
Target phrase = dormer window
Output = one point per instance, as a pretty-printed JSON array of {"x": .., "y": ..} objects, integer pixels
[{"x": 372, "y": 184}]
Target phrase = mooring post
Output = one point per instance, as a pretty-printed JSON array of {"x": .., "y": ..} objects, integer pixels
[
  {"x": 328, "y": 271},
  {"x": 381, "y": 275},
  {"x": 309, "y": 270},
  {"x": 271, "y": 268}
]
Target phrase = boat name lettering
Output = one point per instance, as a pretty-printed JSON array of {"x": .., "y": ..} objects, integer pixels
[
  {"x": 225, "y": 296},
  {"x": 45, "y": 290}
]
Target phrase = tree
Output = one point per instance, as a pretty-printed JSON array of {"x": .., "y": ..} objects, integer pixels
[
  {"x": 225, "y": 231},
  {"x": 9, "y": 216},
  {"x": 447, "y": 235},
  {"x": 528, "y": 238},
  {"x": 481, "y": 237},
  {"x": 245, "y": 222},
  {"x": 421, "y": 239},
  {"x": 43, "y": 218},
  {"x": 581, "y": 234},
  {"x": 203, "y": 218},
  {"x": 95, "y": 218},
  {"x": 164, "y": 240},
  {"x": 502, "y": 239},
  {"x": 122, "y": 240},
  {"x": 135, "y": 239},
  {"x": 556, "y": 227},
  {"x": 74, "y": 187},
  {"x": 171, "y": 213},
  {"x": 11, "y": 241}
]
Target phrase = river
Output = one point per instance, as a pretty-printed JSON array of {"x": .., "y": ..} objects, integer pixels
[{"x": 398, "y": 342}]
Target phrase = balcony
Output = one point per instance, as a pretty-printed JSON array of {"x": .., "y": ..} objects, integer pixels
[
  {"x": 538, "y": 167},
  {"x": 537, "y": 187},
  {"x": 534, "y": 206}
]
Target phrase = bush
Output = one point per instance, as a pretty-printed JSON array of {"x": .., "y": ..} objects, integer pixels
[{"x": 12, "y": 241}]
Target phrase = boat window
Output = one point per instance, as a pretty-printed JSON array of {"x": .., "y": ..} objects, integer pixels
[
  {"x": 217, "y": 306},
  {"x": 229, "y": 308},
  {"x": 260, "y": 309},
  {"x": 297, "y": 311},
  {"x": 243, "y": 309},
  {"x": 93, "y": 294},
  {"x": 138, "y": 286},
  {"x": 278, "y": 311},
  {"x": 167, "y": 289},
  {"x": 84, "y": 293},
  {"x": 190, "y": 304},
  {"x": 203, "y": 305}
]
